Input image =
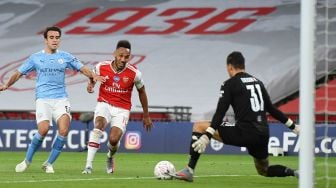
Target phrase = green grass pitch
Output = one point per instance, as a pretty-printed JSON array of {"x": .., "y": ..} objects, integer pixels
[{"x": 136, "y": 170}]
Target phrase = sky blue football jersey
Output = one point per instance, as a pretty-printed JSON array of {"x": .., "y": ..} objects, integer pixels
[{"x": 50, "y": 72}]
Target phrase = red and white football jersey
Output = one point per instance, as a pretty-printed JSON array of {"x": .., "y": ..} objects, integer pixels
[{"x": 117, "y": 89}]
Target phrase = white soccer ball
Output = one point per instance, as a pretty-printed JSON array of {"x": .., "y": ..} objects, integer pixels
[{"x": 162, "y": 169}]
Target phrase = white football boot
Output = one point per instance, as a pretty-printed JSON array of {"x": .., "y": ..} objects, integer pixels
[
  {"x": 21, "y": 167},
  {"x": 48, "y": 168}
]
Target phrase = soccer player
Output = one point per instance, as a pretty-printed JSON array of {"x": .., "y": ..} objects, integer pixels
[
  {"x": 52, "y": 101},
  {"x": 114, "y": 103},
  {"x": 250, "y": 102}
]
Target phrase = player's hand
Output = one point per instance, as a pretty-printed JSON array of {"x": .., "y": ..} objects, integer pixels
[
  {"x": 147, "y": 123},
  {"x": 89, "y": 88},
  {"x": 3, "y": 87},
  {"x": 101, "y": 79},
  {"x": 293, "y": 126},
  {"x": 201, "y": 144}
]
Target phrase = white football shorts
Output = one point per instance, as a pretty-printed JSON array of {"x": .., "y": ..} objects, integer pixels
[
  {"x": 115, "y": 116},
  {"x": 51, "y": 109}
]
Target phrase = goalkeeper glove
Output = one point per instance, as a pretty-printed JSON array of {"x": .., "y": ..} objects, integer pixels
[
  {"x": 294, "y": 127},
  {"x": 297, "y": 129},
  {"x": 200, "y": 144}
]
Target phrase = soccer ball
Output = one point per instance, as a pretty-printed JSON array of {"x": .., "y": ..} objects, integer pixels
[{"x": 163, "y": 168}]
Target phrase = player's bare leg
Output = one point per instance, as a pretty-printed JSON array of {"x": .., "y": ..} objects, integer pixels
[
  {"x": 113, "y": 145},
  {"x": 263, "y": 168},
  {"x": 94, "y": 143},
  {"x": 63, "y": 129}
]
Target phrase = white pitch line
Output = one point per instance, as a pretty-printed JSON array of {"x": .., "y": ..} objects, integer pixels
[{"x": 114, "y": 178}]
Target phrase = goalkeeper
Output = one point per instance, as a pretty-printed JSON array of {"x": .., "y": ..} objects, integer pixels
[{"x": 250, "y": 102}]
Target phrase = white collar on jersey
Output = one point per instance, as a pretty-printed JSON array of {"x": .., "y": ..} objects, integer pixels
[{"x": 43, "y": 51}]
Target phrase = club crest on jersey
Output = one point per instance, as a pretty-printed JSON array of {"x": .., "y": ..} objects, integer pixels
[
  {"x": 125, "y": 79},
  {"x": 60, "y": 61},
  {"x": 116, "y": 78}
]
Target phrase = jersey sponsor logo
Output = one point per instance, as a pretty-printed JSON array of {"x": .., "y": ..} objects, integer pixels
[
  {"x": 115, "y": 90},
  {"x": 116, "y": 85},
  {"x": 51, "y": 72},
  {"x": 72, "y": 77}
]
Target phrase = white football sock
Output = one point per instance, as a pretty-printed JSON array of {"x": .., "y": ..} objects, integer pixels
[
  {"x": 93, "y": 146},
  {"x": 112, "y": 149}
]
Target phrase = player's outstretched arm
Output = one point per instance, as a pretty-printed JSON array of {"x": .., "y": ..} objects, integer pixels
[
  {"x": 280, "y": 116},
  {"x": 87, "y": 72},
  {"x": 147, "y": 122},
  {"x": 15, "y": 77},
  {"x": 277, "y": 114}
]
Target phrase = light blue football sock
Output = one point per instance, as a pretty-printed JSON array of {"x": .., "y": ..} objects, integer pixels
[
  {"x": 34, "y": 146},
  {"x": 56, "y": 149}
]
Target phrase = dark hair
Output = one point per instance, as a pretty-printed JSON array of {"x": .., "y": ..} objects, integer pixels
[
  {"x": 236, "y": 59},
  {"x": 123, "y": 44},
  {"x": 52, "y": 28}
]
